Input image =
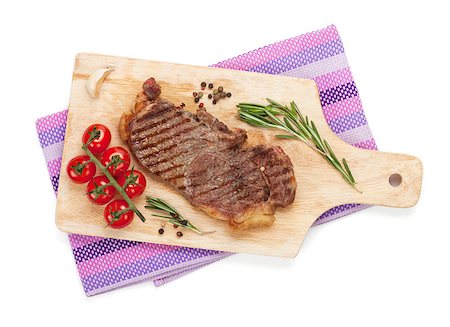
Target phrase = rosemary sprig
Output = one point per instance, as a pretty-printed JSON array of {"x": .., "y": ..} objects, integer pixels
[
  {"x": 172, "y": 214},
  {"x": 290, "y": 120}
]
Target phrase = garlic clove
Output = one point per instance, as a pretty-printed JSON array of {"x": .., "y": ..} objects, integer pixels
[{"x": 95, "y": 80}]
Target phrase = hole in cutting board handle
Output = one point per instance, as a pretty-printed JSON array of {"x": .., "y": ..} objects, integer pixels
[{"x": 395, "y": 180}]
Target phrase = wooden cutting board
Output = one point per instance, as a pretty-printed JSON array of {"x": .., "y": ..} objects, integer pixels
[{"x": 320, "y": 187}]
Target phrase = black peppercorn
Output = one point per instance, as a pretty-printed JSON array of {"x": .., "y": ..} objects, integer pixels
[
  {"x": 228, "y": 94},
  {"x": 179, "y": 234},
  {"x": 210, "y": 85},
  {"x": 214, "y": 101},
  {"x": 161, "y": 231},
  {"x": 209, "y": 96},
  {"x": 203, "y": 84},
  {"x": 197, "y": 99}
]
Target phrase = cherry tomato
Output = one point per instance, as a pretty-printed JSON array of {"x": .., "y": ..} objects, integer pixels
[
  {"x": 117, "y": 159},
  {"x": 97, "y": 192},
  {"x": 80, "y": 170},
  {"x": 135, "y": 181},
  {"x": 114, "y": 218},
  {"x": 102, "y": 140}
]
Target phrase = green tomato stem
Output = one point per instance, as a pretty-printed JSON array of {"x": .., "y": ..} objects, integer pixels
[{"x": 112, "y": 181}]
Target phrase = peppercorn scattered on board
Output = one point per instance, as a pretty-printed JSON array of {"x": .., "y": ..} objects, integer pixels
[{"x": 319, "y": 185}]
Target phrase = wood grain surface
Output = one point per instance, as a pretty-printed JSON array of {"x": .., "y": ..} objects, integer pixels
[{"x": 320, "y": 187}]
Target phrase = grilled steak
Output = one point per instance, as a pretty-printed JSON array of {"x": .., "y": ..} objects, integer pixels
[{"x": 207, "y": 162}]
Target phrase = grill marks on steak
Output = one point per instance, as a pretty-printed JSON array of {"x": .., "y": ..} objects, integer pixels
[
  {"x": 209, "y": 163},
  {"x": 231, "y": 181}
]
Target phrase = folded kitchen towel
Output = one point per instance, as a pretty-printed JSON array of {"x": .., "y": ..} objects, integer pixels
[{"x": 105, "y": 264}]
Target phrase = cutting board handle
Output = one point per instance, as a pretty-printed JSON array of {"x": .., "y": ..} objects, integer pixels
[{"x": 386, "y": 179}]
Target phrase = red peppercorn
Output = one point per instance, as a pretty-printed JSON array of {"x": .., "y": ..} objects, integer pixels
[{"x": 201, "y": 105}]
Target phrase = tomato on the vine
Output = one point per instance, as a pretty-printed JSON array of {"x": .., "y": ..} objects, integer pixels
[
  {"x": 117, "y": 215},
  {"x": 101, "y": 137},
  {"x": 98, "y": 191},
  {"x": 133, "y": 181},
  {"x": 116, "y": 159},
  {"x": 80, "y": 169}
]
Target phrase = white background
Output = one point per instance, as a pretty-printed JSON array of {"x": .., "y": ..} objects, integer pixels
[{"x": 380, "y": 267}]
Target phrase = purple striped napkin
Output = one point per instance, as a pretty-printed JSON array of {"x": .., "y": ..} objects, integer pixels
[{"x": 105, "y": 264}]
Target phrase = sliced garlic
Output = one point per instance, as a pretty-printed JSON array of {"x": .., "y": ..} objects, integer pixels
[{"x": 95, "y": 80}]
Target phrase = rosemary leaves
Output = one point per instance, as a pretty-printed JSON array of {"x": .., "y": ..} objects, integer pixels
[
  {"x": 172, "y": 214},
  {"x": 299, "y": 127}
]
